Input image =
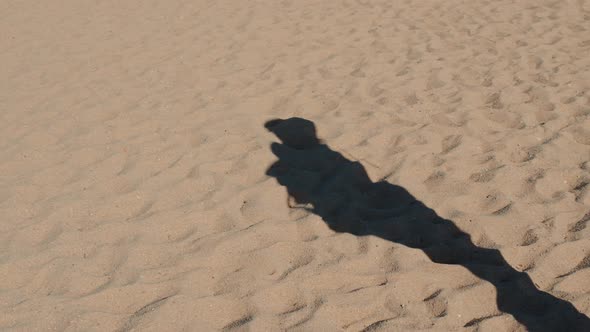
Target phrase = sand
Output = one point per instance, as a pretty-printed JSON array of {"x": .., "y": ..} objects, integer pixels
[{"x": 137, "y": 187}]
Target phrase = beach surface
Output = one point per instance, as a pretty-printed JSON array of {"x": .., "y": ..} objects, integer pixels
[{"x": 137, "y": 188}]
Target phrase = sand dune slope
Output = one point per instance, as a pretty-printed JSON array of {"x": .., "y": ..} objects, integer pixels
[{"x": 134, "y": 192}]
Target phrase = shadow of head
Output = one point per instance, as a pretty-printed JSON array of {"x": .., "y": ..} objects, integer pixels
[{"x": 296, "y": 133}]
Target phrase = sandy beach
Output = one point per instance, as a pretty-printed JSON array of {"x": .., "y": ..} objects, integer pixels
[{"x": 295, "y": 165}]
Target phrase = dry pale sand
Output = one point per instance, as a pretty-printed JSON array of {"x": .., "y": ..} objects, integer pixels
[{"x": 136, "y": 194}]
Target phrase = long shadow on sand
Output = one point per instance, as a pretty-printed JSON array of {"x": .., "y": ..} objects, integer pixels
[{"x": 341, "y": 193}]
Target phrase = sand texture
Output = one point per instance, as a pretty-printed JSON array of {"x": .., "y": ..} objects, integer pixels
[{"x": 295, "y": 165}]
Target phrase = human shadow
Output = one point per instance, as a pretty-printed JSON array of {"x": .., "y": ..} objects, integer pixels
[{"x": 342, "y": 194}]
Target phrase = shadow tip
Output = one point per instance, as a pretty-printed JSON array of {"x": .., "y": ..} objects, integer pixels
[{"x": 270, "y": 124}]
